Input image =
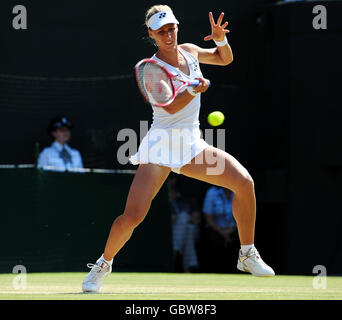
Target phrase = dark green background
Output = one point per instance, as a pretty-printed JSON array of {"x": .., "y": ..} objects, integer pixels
[{"x": 59, "y": 222}]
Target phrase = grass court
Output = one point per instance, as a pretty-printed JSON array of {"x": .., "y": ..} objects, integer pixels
[{"x": 169, "y": 286}]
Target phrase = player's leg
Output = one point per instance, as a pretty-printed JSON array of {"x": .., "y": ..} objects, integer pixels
[
  {"x": 220, "y": 168},
  {"x": 227, "y": 172},
  {"x": 147, "y": 181}
]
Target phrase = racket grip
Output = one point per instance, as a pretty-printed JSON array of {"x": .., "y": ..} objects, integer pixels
[{"x": 195, "y": 83}]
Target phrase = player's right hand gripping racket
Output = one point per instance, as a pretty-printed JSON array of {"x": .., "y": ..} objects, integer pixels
[{"x": 156, "y": 82}]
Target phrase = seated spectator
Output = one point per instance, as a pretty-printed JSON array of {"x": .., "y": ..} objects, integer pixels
[
  {"x": 220, "y": 237},
  {"x": 185, "y": 230},
  {"x": 59, "y": 156}
]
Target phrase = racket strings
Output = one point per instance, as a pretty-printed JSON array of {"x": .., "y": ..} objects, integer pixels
[{"x": 154, "y": 83}]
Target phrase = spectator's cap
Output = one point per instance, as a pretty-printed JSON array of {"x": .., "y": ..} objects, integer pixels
[{"x": 59, "y": 122}]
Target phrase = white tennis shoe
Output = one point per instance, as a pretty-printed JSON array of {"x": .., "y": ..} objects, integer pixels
[
  {"x": 92, "y": 283},
  {"x": 251, "y": 262}
]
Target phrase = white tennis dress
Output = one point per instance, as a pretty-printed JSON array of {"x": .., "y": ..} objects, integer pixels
[{"x": 174, "y": 139}]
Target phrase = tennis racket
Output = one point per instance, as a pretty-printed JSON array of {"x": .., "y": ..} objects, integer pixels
[{"x": 156, "y": 82}]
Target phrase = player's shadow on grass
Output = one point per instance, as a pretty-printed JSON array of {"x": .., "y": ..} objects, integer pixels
[
  {"x": 140, "y": 293},
  {"x": 106, "y": 293}
]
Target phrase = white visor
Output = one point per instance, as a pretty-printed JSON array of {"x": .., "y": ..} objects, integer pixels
[{"x": 161, "y": 18}]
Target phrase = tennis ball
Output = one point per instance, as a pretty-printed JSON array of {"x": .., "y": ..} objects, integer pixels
[{"x": 216, "y": 118}]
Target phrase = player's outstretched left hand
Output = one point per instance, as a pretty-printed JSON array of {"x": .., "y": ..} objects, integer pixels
[{"x": 218, "y": 31}]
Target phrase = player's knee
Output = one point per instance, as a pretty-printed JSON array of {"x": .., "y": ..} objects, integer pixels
[
  {"x": 134, "y": 216},
  {"x": 127, "y": 222}
]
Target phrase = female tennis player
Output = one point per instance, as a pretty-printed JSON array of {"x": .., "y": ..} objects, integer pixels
[{"x": 195, "y": 159}]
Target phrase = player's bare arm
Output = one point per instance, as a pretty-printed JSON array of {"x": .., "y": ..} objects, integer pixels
[
  {"x": 217, "y": 56},
  {"x": 185, "y": 97}
]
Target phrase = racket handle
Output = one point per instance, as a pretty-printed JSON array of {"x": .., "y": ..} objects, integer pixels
[{"x": 195, "y": 83}]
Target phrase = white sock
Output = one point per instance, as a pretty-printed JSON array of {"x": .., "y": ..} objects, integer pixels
[
  {"x": 245, "y": 248},
  {"x": 109, "y": 262}
]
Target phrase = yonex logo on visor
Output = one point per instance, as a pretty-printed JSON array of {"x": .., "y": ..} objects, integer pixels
[{"x": 161, "y": 18}]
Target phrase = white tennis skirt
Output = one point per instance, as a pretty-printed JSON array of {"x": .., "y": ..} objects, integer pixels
[{"x": 174, "y": 147}]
